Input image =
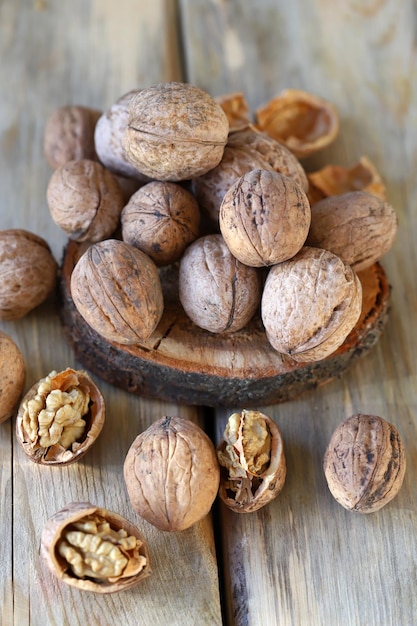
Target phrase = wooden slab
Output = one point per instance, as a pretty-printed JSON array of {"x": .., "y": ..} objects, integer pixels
[{"x": 183, "y": 363}]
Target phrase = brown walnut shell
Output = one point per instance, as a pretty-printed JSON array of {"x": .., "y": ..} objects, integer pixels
[
  {"x": 28, "y": 272},
  {"x": 176, "y": 131},
  {"x": 357, "y": 226},
  {"x": 302, "y": 121},
  {"x": 108, "y": 138},
  {"x": 117, "y": 290},
  {"x": 51, "y": 426},
  {"x": 12, "y": 376},
  {"x": 172, "y": 474},
  {"x": 310, "y": 304},
  {"x": 252, "y": 459},
  {"x": 68, "y": 521},
  {"x": 218, "y": 292},
  {"x": 364, "y": 463},
  {"x": 85, "y": 200},
  {"x": 161, "y": 219},
  {"x": 69, "y": 135},
  {"x": 236, "y": 108},
  {"x": 264, "y": 218},
  {"x": 333, "y": 180}
]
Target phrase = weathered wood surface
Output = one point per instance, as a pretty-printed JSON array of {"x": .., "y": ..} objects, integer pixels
[{"x": 303, "y": 559}]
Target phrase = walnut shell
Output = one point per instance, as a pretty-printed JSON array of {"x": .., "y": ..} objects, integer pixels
[
  {"x": 176, "y": 131},
  {"x": 357, "y": 226},
  {"x": 210, "y": 188},
  {"x": 236, "y": 108},
  {"x": 172, "y": 474},
  {"x": 333, "y": 180},
  {"x": 85, "y": 200},
  {"x": 60, "y": 418},
  {"x": 217, "y": 292},
  {"x": 302, "y": 121},
  {"x": 264, "y": 218},
  {"x": 117, "y": 290},
  {"x": 28, "y": 272},
  {"x": 310, "y": 304},
  {"x": 161, "y": 219},
  {"x": 108, "y": 139},
  {"x": 12, "y": 376},
  {"x": 76, "y": 531},
  {"x": 252, "y": 459},
  {"x": 364, "y": 463},
  {"x": 278, "y": 156},
  {"x": 69, "y": 135}
]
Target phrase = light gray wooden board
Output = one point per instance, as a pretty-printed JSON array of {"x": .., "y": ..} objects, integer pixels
[
  {"x": 89, "y": 53},
  {"x": 304, "y": 559}
]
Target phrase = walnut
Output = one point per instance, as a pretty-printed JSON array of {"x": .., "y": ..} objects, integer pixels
[
  {"x": 12, "y": 376},
  {"x": 357, "y": 226},
  {"x": 108, "y": 138},
  {"x": 172, "y": 474},
  {"x": 364, "y": 463},
  {"x": 302, "y": 121},
  {"x": 236, "y": 108},
  {"x": 176, "y": 131},
  {"x": 217, "y": 292},
  {"x": 264, "y": 218},
  {"x": 85, "y": 200},
  {"x": 210, "y": 188},
  {"x": 333, "y": 180},
  {"x": 117, "y": 290},
  {"x": 94, "y": 549},
  {"x": 252, "y": 460},
  {"x": 161, "y": 219},
  {"x": 60, "y": 418},
  {"x": 310, "y": 304},
  {"x": 280, "y": 158},
  {"x": 69, "y": 135},
  {"x": 28, "y": 272}
]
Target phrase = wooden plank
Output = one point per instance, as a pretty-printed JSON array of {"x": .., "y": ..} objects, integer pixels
[
  {"x": 87, "y": 53},
  {"x": 304, "y": 559}
]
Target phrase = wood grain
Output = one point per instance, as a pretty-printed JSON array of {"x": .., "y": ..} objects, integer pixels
[{"x": 303, "y": 559}]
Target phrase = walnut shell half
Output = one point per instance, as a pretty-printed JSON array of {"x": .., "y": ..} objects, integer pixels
[
  {"x": 302, "y": 121},
  {"x": 364, "y": 463},
  {"x": 172, "y": 474},
  {"x": 60, "y": 418},
  {"x": 94, "y": 549},
  {"x": 252, "y": 459}
]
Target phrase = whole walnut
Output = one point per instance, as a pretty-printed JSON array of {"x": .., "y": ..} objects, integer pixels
[
  {"x": 364, "y": 463},
  {"x": 210, "y": 188},
  {"x": 12, "y": 376},
  {"x": 176, "y": 131},
  {"x": 117, "y": 290},
  {"x": 161, "y": 219},
  {"x": 172, "y": 474},
  {"x": 108, "y": 138},
  {"x": 28, "y": 272},
  {"x": 357, "y": 226},
  {"x": 218, "y": 292},
  {"x": 264, "y": 218},
  {"x": 69, "y": 135},
  {"x": 310, "y": 303},
  {"x": 85, "y": 200}
]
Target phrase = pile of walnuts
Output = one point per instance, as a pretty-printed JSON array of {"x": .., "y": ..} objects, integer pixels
[{"x": 171, "y": 175}]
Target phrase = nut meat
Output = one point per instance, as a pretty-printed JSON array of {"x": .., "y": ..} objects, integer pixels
[
  {"x": 172, "y": 474},
  {"x": 364, "y": 463},
  {"x": 252, "y": 459},
  {"x": 60, "y": 418},
  {"x": 94, "y": 549}
]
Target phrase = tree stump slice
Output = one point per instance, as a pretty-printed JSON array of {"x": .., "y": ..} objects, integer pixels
[{"x": 185, "y": 364}]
